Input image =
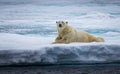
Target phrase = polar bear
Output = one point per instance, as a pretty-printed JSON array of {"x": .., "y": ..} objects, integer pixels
[{"x": 67, "y": 34}]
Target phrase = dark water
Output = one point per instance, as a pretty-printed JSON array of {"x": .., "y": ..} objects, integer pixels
[{"x": 61, "y": 70}]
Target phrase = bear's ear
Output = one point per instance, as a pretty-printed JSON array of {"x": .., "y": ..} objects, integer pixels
[
  {"x": 56, "y": 21},
  {"x": 66, "y": 22}
]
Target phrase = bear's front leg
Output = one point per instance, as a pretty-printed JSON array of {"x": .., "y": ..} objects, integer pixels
[
  {"x": 57, "y": 40},
  {"x": 63, "y": 40}
]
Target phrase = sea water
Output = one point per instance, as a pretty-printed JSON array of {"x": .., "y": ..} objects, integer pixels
[{"x": 29, "y": 25}]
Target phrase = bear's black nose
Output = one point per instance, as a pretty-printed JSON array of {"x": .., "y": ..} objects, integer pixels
[{"x": 60, "y": 25}]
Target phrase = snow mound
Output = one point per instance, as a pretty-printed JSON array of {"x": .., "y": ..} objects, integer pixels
[{"x": 79, "y": 53}]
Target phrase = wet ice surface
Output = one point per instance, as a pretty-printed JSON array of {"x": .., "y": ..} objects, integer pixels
[{"x": 27, "y": 30}]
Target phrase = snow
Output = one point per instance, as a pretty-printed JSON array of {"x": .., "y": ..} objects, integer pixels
[{"x": 15, "y": 41}]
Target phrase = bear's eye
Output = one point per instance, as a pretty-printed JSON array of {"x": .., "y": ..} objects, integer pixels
[{"x": 62, "y": 22}]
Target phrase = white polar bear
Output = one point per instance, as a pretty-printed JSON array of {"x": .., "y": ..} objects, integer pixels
[{"x": 67, "y": 34}]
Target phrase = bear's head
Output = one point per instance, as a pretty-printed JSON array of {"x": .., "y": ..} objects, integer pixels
[{"x": 61, "y": 24}]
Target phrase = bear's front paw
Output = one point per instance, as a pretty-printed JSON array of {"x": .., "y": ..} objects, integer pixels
[
  {"x": 54, "y": 43},
  {"x": 58, "y": 38}
]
